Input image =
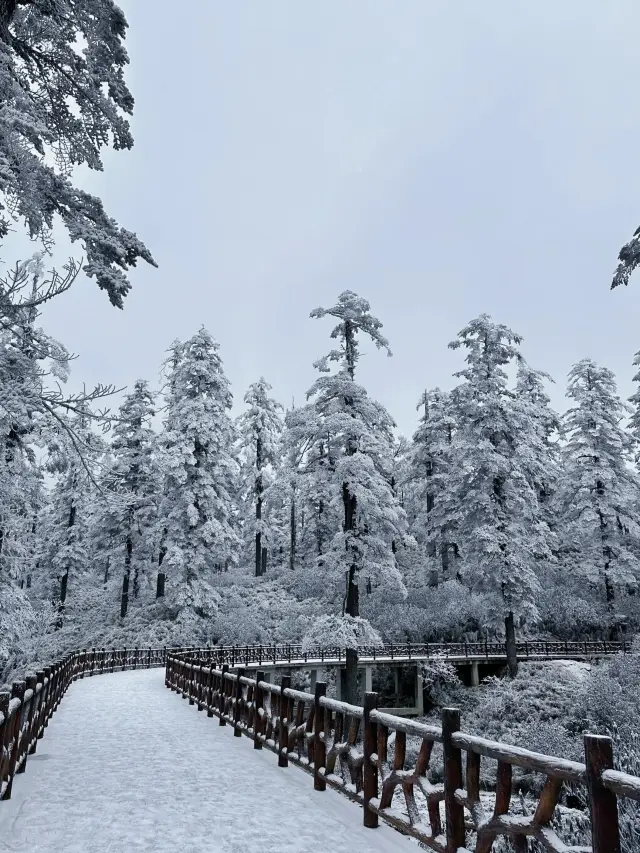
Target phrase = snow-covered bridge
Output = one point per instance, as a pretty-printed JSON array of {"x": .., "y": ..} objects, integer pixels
[{"x": 126, "y": 767}]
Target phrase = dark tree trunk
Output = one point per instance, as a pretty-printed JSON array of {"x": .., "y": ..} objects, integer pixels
[
  {"x": 124, "y": 601},
  {"x": 161, "y": 555},
  {"x": 512, "y": 650},
  {"x": 63, "y": 597},
  {"x": 127, "y": 559},
  {"x": 606, "y": 550},
  {"x": 352, "y": 606},
  {"x": 264, "y": 558},
  {"x": 292, "y": 534},
  {"x": 106, "y": 570},
  {"x": 259, "y": 490}
]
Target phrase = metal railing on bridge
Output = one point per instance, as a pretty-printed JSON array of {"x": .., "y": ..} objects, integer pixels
[{"x": 259, "y": 655}]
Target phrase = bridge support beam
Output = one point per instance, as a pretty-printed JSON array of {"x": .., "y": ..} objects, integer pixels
[
  {"x": 419, "y": 692},
  {"x": 368, "y": 679},
  {"x": 475, "y": 675}
]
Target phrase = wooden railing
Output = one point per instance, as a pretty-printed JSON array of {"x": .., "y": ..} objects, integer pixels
[
  {"x": 262, "y": 655},
  {"x": 363, "y": 752},
  {"x": 25, "y": 711}
]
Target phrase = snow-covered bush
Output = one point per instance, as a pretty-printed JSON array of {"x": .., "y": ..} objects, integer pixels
[
  {"x": 345, "y": 632},
  {"x": 438, "y": 677}
]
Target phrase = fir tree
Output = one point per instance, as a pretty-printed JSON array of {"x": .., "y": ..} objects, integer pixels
[
  {"x": 430, "y": 470},
  {"x": 61, "y": 107},
  {"x": 134, "y": 478},
  {"x": 598, "y": 497},
  {"x": 260, "y": 429},
  {"x": 499, "y": 527},
  {"x": 200, "y": 471},
  {"x": 360, "y": 439}
]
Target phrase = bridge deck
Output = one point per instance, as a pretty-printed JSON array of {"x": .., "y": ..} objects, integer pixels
[
  {"x": 126, "y": 766},
  {"x": 398, "y": 660}
]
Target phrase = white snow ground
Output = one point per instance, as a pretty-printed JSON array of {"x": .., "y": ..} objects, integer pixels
[{"x": 126, "y": 765}]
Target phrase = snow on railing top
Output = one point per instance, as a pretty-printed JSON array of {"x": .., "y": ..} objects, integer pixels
[{"x": 347, "y": 747}]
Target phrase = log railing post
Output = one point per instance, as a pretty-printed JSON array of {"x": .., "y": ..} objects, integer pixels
[
  {"x": 41, "y": 710},
  {"x": 283, "y": 734},
  {"x": 237, "y": 731},
  {"x": 30, "y": 682},
  {"x": 223, "y": 690},
  {"x": 369, "y": 768},
  {"x": 258, "y": 705},
  {"x": 17, "y": 692},
  {"x": 319, "y": 748},
  {"x": 209, "y": 694},
  {"x": 47, "y": 700},
  {"x": 5, "y": 698},
  {"x": 603, "y": 804},
  {"x": 452, "y": 780}
]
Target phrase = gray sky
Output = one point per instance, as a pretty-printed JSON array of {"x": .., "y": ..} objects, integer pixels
[{"x": 440, "y": 159}]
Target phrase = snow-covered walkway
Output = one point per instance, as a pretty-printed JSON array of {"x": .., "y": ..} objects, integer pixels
[{"x": 126, "y": 765}]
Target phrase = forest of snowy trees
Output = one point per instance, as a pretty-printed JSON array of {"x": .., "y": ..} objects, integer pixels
[{"x": 170, "y": 522}]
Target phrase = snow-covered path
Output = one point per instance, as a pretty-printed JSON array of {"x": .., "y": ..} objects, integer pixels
[{"x": 126, "y": 765}]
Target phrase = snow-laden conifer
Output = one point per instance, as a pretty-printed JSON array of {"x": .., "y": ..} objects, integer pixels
[
  {"x": 500, "y": 530},
  {"x": 197, "y": 516},
  {"x": 134, "y": 481},
  {"x": 359, "y": 435},
  {"x": 597, "y": 498},
  {"x": 433, "y": 516},
  {"x": 260, "y": 433},
  {"x": 61, "y": 105}
]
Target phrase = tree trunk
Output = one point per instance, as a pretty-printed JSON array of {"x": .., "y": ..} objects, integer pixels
[
  {"x": 127, "y": 560},
  {"x": 606, "y": 551},
  {"x": 161, "y": 575},
  {"x": 259, "y": 490},
  {"x": 512, "y": 650},
  {"x": 264, "y": 557},
  {"x": 292, "y": 534},
  {"x": 124, "y": 601}
]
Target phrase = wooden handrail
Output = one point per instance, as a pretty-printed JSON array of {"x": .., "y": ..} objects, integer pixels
[
  {"x": 347, "y": 747},
  {"x": 26, "y": 711}
]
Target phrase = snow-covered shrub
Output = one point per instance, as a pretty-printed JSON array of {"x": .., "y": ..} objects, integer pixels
[
  {"x": 438, "y": 677},
  {"x": 346, "y": 632}
]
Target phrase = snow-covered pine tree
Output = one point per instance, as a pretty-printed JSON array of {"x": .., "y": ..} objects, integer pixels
[
  {"x": 500, "y": 530},
  {"x": 598, "y": 495},
  {"x": 260, "y": 433},
  {"x": 33, "y": 412},
  {"x": 360, "y": 433},
  {"x": 78, "y": 110},
  {"x": 197, "y": 515},
  {"x": 134, "y": 478},
  {"x": 543, "y": 424},
  {"x": 433, "y": 517},
  {"x": 311, "y": 465},
  {"x": 75, "y": 453}
]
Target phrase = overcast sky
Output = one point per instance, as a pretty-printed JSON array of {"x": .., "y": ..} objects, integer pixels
[{"x": 441, "y": 159}]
